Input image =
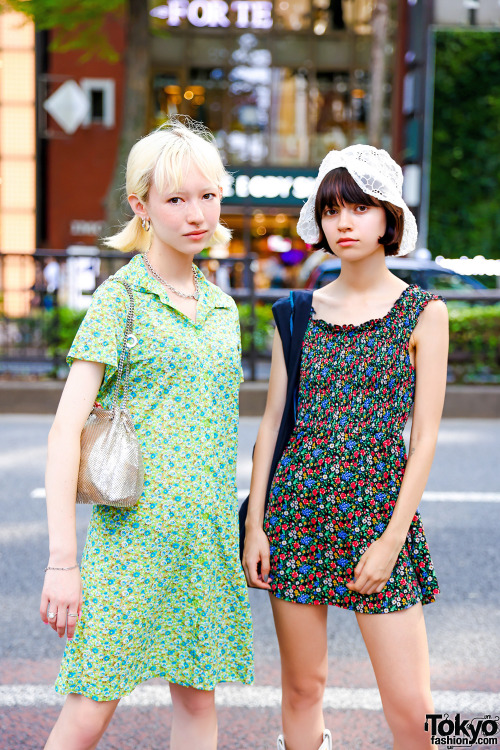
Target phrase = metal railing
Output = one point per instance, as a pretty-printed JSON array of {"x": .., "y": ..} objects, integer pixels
[
  {"x": 39, "y": 304},
  {"x": 39, "y": 291}
]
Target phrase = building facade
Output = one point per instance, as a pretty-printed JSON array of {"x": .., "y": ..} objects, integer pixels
[
  {"x": 451, "y": 12},
  {"x": 17, "y": 160},
  {"x": 75, "y": 168},
  {"x": 278, "y": 83}
]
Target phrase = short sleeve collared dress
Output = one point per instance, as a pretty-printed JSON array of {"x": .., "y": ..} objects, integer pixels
[{"x": 164, "y": 594}]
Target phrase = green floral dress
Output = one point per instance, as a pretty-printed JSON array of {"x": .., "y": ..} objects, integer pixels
[{"x": 164, "y": 594}]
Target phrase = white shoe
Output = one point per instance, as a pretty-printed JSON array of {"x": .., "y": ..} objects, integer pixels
[
  {"x": 325, "y": 745},
  {"x": 327, "y": 741}
]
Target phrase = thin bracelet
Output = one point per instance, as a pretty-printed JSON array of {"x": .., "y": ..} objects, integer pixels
[{"x": 49, "y": 567}]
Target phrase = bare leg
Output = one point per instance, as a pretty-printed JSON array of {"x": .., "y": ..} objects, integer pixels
[
  {"x": 194, "y": 723},
  {"x": 301, "y": 630},
  {"x": 81, "y": 723},
  {"x": 397, "y": 646}
]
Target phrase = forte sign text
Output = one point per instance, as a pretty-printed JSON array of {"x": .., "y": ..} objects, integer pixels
[{"x": 245, "y": 14}]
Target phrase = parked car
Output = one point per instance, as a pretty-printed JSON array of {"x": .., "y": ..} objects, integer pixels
[{"x": 426, "y": 273}]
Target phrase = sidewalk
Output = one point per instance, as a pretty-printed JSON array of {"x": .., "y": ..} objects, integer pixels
[{"x": 42, "y": 397}]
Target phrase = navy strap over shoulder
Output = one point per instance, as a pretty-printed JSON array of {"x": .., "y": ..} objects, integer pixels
[{"x": 292, "y": 317}]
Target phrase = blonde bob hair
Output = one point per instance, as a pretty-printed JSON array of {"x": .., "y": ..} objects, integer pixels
[{"x": 163, "y": 158}]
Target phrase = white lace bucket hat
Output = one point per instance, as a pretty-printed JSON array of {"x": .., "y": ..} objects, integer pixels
[{"x": 378, "y": 175}]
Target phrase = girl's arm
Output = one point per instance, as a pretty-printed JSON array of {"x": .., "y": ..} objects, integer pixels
[
  {"x": 62, "y": 589},
  {"x": 431, "y": 354},
  {"x": 256, "y": 553}
]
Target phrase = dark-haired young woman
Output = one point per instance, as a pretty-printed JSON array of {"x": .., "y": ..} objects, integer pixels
[{"x": 341, "y": 524}]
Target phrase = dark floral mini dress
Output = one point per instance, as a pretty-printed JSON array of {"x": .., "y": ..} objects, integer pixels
[{"x": 338, "y": 480}]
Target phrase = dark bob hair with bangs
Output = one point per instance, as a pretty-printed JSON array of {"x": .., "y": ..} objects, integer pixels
[{"x": 339, "y": 188}]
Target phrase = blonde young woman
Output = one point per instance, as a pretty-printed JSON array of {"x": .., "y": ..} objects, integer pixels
[
  {"x": 160, "y": 592},
  {"x": 342, "y": 526}
]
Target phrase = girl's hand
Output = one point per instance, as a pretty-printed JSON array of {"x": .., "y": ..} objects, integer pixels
[
  {"x": 62, "y": 597},
  {"x": 255, "y": 560},
  {"x": 375, "y": 567}
]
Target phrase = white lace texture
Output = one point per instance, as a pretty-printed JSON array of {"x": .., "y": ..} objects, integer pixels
[{"x": 377, "y": 174}]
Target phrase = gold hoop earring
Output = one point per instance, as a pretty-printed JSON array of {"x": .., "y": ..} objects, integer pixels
[{"x": 146, "y": 224}]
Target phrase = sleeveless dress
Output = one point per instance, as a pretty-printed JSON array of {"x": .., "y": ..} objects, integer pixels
[{"x": 338, "y": 480}]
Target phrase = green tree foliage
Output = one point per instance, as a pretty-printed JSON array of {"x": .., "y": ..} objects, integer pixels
[
  {"x": 464, "y": 217},
  {"x": 76, "y": 25},
  {"x": 263, "y": 327}
]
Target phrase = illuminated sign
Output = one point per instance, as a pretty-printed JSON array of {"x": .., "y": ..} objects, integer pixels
[
  {"x": 246, "y": 14},
  {"x": 276, "y": 187}
]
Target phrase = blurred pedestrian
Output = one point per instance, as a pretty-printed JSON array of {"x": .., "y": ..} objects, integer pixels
[
  {"x": 342, "y": 525},
  {"x": 52, "y": 276},
  {"x": 39, "y": 286},
  {"x": 161, "y": 592}
]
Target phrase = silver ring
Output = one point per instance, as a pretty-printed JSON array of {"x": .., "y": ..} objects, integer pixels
[
  {"x": 51, "y": 615},
  {"x": 70, "y": 614},
  {"x": 131, "y": 341}
]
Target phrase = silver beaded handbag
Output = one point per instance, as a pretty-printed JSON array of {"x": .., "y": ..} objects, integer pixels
[{"x": 111, "y": 469}]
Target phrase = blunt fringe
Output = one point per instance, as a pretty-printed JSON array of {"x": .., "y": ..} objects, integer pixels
[
  {"x": 162, "y": 158},
  {"x": 337, "y": 189}
]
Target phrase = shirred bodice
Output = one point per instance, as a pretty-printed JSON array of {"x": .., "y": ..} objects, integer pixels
[{"x": 360, "y": 382}]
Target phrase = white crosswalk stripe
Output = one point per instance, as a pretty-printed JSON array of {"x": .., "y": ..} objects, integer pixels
[
  {"x": 449, "y": 497},
  {"x": 463, "y": 497},
  {"x": 257, "y": 697}
]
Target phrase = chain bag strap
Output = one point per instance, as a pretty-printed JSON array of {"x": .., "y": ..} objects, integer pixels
[
  {"x": 111, "y": 468},
  {"x": 128, "y": 343}
]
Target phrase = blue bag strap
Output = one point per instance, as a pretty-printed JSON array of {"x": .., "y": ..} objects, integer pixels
[{"x": 295, "y": 393}]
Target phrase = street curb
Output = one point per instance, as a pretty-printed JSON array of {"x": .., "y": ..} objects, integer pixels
[
  {"x": 42, "y": 397},
  {"x": 472, "y": 402}
]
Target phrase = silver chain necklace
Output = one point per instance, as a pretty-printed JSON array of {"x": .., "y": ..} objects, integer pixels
[{"x": 157, "y": 276}]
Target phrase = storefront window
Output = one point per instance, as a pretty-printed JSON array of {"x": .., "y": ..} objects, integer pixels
[
  {"x": 206, "y": 91},
  {"x": 265, "y": 115},
  {"x": 249, "y": 101},
  {"x": 357, "y": 15},
  {"x": 279, "y": 249},
  {"x": 289, "y": 130},
  {"x": 233, "y": 100},
  {"x": 274, "y": 241},
  {"x": 323, "y": 15},
  {"x": 293, "y": 15},
  {"x": 279, "y": 83},
  {"x": 167, "y": 97},
  {"x": 339, "y": 107}
]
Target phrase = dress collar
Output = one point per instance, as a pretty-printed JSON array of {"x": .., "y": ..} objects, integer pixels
[{"x": 136, "y": 273}]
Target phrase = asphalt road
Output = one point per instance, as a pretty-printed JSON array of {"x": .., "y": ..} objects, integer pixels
[{"x": 461, "y": 512}]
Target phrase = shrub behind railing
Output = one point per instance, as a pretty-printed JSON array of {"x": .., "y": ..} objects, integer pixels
[{"x": 475, "y": 343}]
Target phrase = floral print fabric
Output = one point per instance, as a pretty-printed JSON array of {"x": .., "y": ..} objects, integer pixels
[
  {"x": 336, "y": 485},
  {"x": 164, "y": 594}
]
